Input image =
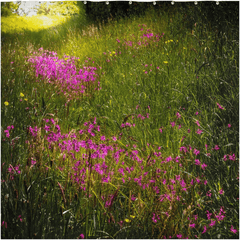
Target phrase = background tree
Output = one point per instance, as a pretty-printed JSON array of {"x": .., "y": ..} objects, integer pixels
[
  {"x": 9, "y": 8},
  {"x": 65, "y": 8}
]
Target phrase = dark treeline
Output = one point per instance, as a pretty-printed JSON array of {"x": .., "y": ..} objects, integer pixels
[{"x": 208, "y": 12}]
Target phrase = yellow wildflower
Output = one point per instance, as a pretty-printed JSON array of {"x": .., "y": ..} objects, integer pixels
[
  {"x": 168, "y": 41},
  {"x": 25, "y": 99},
  {"x": 132, "y": 216},
  {"x": 127, "y": 220},
  {"x": 21, "y": 95},
  {"x": 166, "y": 62},
  {"x": 6, "y": 103}
]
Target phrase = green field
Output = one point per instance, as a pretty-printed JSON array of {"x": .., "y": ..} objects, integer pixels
[{"x": 128, "y": 129}]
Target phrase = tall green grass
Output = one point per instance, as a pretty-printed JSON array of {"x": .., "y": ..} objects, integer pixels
[{"x": 164, "y": 92}]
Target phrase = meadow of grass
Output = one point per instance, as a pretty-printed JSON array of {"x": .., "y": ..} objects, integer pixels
[{"x": 122, "y": 130}]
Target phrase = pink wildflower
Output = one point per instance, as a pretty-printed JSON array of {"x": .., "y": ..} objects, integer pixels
[
  {"x": 192, "y": 225},
  {"x": 233, "y": 230},
  {"x": 213, "y": 222},
  {"x": 199, "y": 131},
  {"x": 209, "y": 215},
  {"x": 219, "y": 106},
  {"x": 197, "y": 162},
  {"x": 232, "y": 157},
  {"x": 196, "y": 152},
  {"x": 216, "y": 147},
  {"x": 133, "y": 198},
  {"x": 221, "y": 191},
  {"x": 203, "y": 166},
  {"x": 204, "y": 229},
  {"x": 103, "y": 138},
  {"x": 178, "y": 115},
  {"x": 81, "y": 236}
]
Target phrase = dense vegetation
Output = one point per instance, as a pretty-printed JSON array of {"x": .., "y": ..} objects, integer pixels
[{"x": 122, "y": 129}]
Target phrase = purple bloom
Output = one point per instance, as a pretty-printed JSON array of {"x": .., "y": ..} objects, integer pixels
[
  {"x": 221, "y": 191},
  {"x": 121, "y": 170},
  {"x": 209, "y": 215},
  {"x": 203, "y": 166},
  {"x": 219, "y": 106},
  {"x": 233, "y": 157},
  {"x": 81, "y": 236},
  {"x": 103, "y": 138},
  {"x": 196, "y": 152},
  {"x": 204, "y": 229},
  {"x": 192, "y": 225},
  {"x": 233, "y": 230},
  {"x": 178, "y": 177},
  {"x": 197, "y": 162},
  {"x": 178, "y": 115},
  {"x": 182, "y": 183},
  {"x": 199, "y": 131},
  {"x": 220, "y": 217},
  {"x": 133, "y": 198},
  {"x": 216, "y": 147},
  {"x": 213, "y": 222},
  {"x": 209, "y": 194}
]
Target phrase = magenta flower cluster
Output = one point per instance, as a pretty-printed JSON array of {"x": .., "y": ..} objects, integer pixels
[
  {"x": 7, "y": 131},
  {"x": 147, "y": 37},
  {"x": 63, "y": 73}
]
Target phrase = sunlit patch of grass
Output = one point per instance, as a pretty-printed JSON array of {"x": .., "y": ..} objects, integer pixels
[
  {"x": 15, "y": 24},
  {"x": 151, "y": 150}
]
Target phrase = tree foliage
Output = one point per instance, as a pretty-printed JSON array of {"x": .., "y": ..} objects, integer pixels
[
  {"x": 100, "y": 11},
  {"x": 8, "y": 8},
  {"x": 59, "y": 8}
]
